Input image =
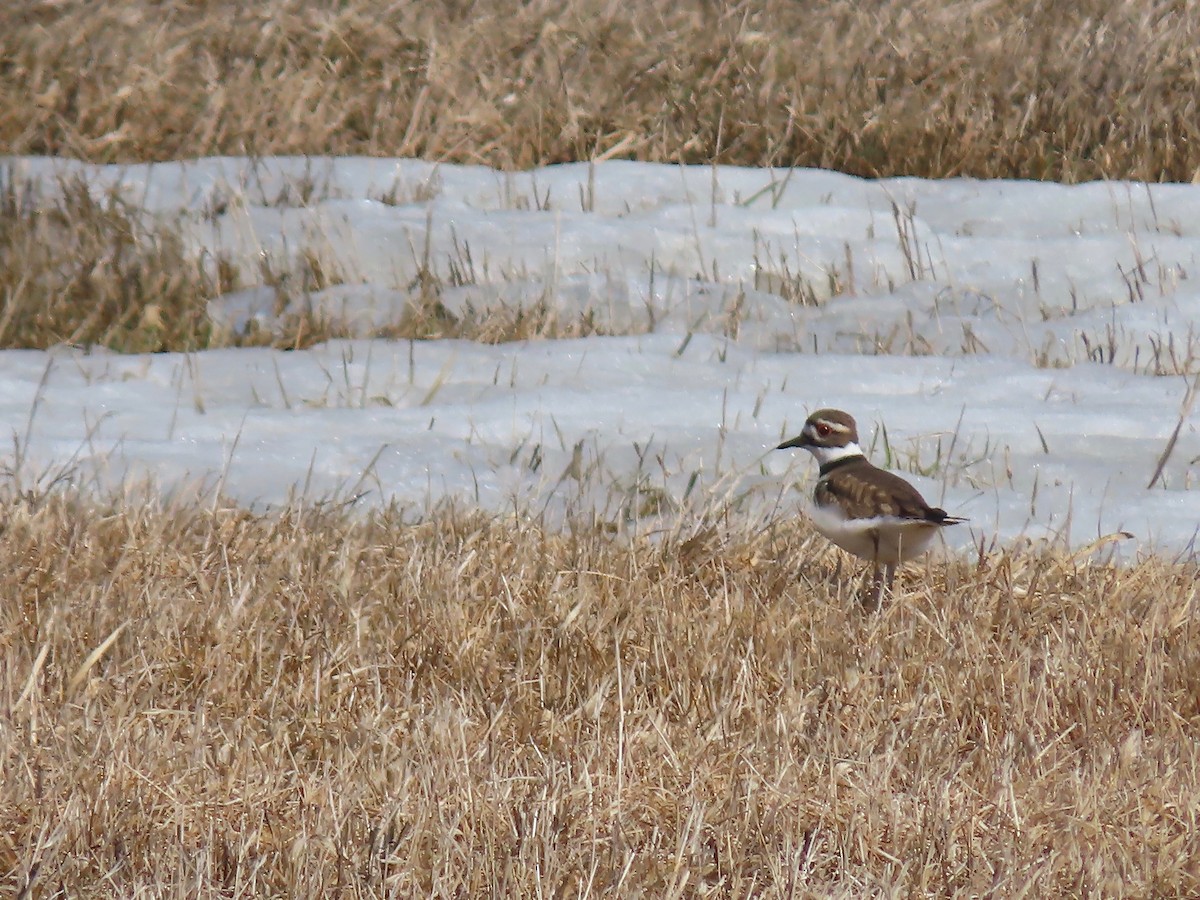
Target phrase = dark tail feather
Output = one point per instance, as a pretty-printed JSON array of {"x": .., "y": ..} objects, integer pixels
[{"x": 934, "y": 514}]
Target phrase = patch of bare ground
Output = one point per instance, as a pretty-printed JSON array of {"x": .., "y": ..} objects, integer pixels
[
  {"x": 206, "y": 702},
  {"x": 1067, "y": 91}
]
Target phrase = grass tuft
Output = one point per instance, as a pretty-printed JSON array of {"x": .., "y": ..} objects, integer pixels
[{"x": 93, "y": 270}]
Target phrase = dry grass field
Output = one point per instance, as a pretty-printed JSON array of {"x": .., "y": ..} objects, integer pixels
[
  {"x": 1061, "y": 89},
  {"x": 197, "y": 701},
  {"x": 206, "y": 702}
]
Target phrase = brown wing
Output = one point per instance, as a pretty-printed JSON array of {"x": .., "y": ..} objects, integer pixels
[{"x": 864, "y": 491}]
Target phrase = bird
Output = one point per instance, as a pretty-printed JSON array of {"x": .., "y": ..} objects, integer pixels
[{"x": 865, "y": 510}]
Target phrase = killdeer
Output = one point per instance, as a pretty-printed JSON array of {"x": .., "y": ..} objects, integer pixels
[{"x": 865, "y": 510}]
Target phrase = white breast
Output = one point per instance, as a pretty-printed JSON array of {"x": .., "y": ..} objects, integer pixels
[{"x": 881, "y": 539}]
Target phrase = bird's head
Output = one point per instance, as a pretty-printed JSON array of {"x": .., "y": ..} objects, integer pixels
[{"x": 828, "y": 434}]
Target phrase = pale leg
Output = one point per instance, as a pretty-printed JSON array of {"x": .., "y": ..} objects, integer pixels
[
  {"x": 882, "y": 580},
  {"x": 872, "y": 599}
]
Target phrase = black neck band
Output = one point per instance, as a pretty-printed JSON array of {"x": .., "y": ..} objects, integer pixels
[{"x": 838, "y": 463}]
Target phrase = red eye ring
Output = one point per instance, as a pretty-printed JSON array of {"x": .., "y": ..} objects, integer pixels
[{"x": 823, "y": 430}]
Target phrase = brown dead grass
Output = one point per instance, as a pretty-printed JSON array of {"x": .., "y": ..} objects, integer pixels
[
  {"x": 209, "y": 703},
  {"x": 88, "y": 270},
  {"x": 91, "y": 270},
  {"x": 1046, "y": 89}
]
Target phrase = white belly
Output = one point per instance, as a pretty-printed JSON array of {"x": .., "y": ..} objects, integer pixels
[{"x": 886, "y": 540}]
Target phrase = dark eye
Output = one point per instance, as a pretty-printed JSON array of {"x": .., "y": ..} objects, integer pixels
[{"x": 823, "y": 430}]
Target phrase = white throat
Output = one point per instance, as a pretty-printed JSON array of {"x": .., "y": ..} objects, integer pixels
[{"x": 826, "y": 455}]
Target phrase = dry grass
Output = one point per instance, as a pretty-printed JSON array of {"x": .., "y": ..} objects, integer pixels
[
  {"x": 96, "y": 270},
  {"x": 84, "y": 270},
  {"x": 208, "y": 703},
  {"x": 1032, "y": 88}
]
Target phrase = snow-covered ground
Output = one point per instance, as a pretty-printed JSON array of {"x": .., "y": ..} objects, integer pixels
[{"x": 1027, "y": 347}]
